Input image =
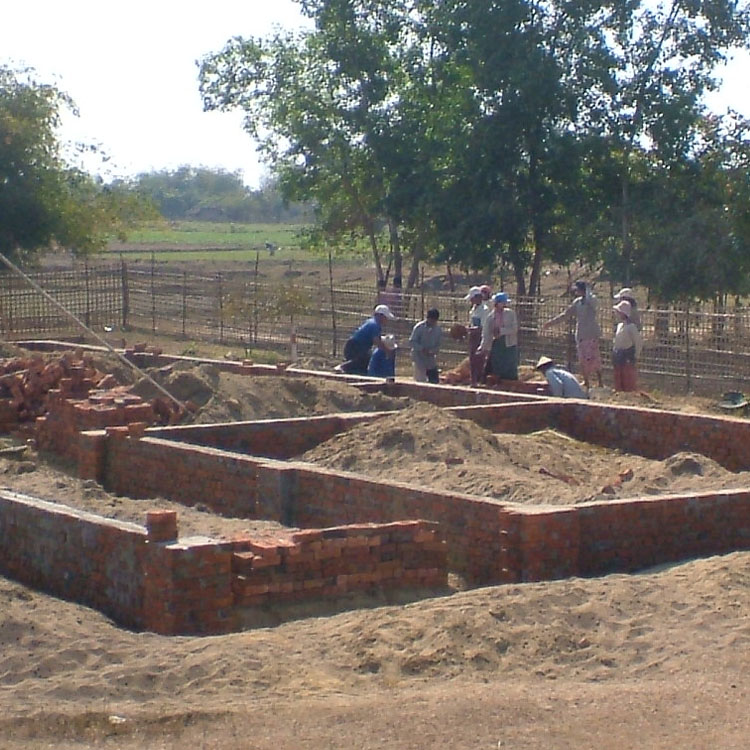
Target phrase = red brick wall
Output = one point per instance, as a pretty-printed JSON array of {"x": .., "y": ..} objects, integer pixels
[
  {"x": 147, "y": 578},
  {"x": 74, "y": 555},
  {"x": 331, "y": 562},
  {"x": 658, "y": 434},
  {"x": 272, "y": 438}
]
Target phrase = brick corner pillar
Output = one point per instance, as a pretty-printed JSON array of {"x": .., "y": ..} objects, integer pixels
[
  {"x": 91, "y": 454},
  {"x": 276, "y": 493},
  {"x": 550, "y": 544},
  {"x": 161, "y": 525}
]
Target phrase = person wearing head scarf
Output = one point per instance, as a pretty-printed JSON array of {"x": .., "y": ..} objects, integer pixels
[
  {"x": 626, "y": 348},
  {"x": 584, "y": 309},
  {"x": 500, "y": 338},
  {"x": 627, "y": 294}
]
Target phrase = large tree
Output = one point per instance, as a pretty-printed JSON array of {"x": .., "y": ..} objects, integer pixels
[{"x": 45, "y": 202}]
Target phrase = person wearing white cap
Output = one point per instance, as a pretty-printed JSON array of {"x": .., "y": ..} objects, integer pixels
[
  {"x": 627, "y": 294},
  {"x": 383, "y": 359},
  {"x": 359, "y": 345},
  {"x": 477, "y": 315},
  {"x": 626, "y": 348}
]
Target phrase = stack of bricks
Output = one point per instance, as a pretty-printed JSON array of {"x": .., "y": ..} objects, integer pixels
[
  {"x": 332, "y": 562},
  {"x": 67, "y": 416}
]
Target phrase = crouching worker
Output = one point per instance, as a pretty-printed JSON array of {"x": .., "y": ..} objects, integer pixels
[
  {"x": 359, "y": 345},
  {"x": 561, "y": 382},
  {"x": 425, "y": 344},
  {"x": 383, "y": 360}
]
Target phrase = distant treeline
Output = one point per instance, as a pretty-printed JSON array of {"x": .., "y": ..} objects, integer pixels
[{"x": 216, "y": 195}]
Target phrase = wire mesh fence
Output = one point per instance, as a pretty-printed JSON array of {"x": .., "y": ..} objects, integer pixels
[
  {"x": 96, "y": 295},
  {"x": 684, "y": 349}
]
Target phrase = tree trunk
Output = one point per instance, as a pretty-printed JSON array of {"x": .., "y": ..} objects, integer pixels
[
  {"x": 396, "y": 250},
  {"x": 518, "y": 271},
  {"x": 376, "y": 254},
  {"x": 626, "y": 240}
]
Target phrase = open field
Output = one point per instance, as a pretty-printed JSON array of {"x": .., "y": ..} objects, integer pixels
[{"x": 197, "y": 241}]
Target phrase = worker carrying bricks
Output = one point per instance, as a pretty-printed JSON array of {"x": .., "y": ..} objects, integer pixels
[
  {"x": 477, "y": 315},
  {"x": 359, "y": 345}
]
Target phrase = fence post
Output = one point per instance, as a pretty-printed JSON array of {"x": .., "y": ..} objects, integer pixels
[
  {"x": 153, "y": 294},
  {"x": 184, "y": 302},
  {"x": 333, "y": 301},
  {"x": 688, "y": 364},
  {"x": 125, "y": 293},
  {"x": 255, "y": 299},
  {"x": 87, "y": 312},
  {"x": 220, "y": 290}
]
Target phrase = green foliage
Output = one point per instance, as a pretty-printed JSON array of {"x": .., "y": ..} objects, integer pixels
[
  {"x": 216, "y": 195},
  {"x": 45, "y": 203},
  {"x": 493, "y": 132}
]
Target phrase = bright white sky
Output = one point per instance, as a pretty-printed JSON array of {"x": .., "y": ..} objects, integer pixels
[{"x": 130, "y": 68}]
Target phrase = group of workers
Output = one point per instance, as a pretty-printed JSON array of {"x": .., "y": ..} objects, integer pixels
[{"x": 492, "y": 334}]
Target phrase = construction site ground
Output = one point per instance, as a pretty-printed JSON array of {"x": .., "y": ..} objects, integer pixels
[{"x": 658, "y": 659}]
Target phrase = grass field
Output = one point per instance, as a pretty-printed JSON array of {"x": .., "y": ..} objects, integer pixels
[{"x": 216, "y": 241}]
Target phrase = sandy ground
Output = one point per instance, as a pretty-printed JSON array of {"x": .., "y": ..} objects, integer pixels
[{"x": 655, "y": 660}]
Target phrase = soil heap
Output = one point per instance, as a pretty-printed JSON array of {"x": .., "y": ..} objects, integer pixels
[{"x": 426, "y": 446}]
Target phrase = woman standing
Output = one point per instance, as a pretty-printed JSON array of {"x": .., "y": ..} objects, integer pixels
[
  {"x": 626, "y": 348},
  {"x": 583, "y": 308},
  {"x": 500, "y": 339}
]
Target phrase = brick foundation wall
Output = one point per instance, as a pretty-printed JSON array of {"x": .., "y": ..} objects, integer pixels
[
  {"x": 271, "y": 438},
  {"x": 75, "y": 555},
  {"x": 332, "y": 562},
  {"x": 487, "y": 541},
  {"x": 658, "y": 434},
  {"x": 148, "y": 578}
]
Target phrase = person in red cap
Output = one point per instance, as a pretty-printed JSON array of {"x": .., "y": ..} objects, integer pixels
[{"x": 477, "y": 314}]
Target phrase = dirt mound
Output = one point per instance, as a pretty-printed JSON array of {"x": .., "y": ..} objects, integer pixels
[
  {"x": 425, "y": 446},
  {"x": 229, "y": 397}
]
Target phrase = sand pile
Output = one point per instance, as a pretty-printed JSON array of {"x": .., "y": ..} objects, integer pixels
[
  {"x": 428, "y": 447},
  {"x": 229, "y": 397}
]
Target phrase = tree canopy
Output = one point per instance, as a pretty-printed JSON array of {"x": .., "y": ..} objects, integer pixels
[
  {"x": 508, "y": 131},
  {"x": 216, "y": 195},
  {"x": 44, "y": 202}
]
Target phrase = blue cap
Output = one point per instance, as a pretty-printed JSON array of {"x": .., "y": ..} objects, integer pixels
[{"x": 501, "y": 297}]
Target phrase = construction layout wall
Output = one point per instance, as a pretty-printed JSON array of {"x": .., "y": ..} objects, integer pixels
[
  {"x": 146, "y": 577},
  {"x": 359, "y": 533},
  {"x": 488, "y": 541}
]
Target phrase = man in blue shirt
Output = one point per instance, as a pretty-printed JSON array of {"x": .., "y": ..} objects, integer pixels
[
  {"x": 383, "y": 360},
  {"x": 561, "y": 382},
  {"x": 357, "y": 348}
]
